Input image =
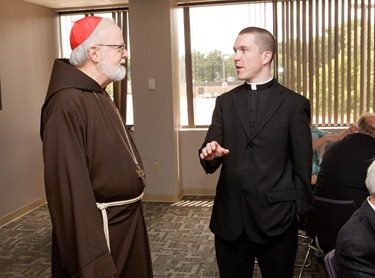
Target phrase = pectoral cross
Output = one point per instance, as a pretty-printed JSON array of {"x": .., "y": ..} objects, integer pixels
[{"x": 141, "y": 175}]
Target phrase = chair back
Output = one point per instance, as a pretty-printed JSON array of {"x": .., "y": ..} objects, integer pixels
[
  {"x": 330, "y": 264},
  {"x": 327, "y": 218}
]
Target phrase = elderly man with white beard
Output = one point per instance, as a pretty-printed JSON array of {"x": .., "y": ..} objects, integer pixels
[{"x": 94, "y": 176}]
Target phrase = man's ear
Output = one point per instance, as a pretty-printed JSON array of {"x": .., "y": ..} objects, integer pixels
[
  {"x": 267, "y": 56},
  {"x": 94, "y": 53}
]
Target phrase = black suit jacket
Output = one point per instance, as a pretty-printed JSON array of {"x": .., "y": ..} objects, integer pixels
[
  {"x": 265, "y": 179},
  {"x": 344, "y": 168},
  {"x": 355, "y": 244}
]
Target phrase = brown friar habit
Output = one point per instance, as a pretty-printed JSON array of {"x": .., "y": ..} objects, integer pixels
[{"x": 86, "y": 162}]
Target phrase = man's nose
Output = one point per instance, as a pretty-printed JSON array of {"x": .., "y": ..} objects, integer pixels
[{"x": 125, "y": 54}]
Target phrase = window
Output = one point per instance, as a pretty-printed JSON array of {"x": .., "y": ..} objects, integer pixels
[
  {"x": 325, "y": 52},
  {"x": 116, "y": 89},
  {"x": 212, "y": 30}
]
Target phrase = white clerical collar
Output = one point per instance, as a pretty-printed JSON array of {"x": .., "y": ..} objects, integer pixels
[{"x": 254, "y": 86}]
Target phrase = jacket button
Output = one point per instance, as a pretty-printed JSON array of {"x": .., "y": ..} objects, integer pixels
[
  {"x": 249, "y": 145},
  {"x": 244, "y": 192}
]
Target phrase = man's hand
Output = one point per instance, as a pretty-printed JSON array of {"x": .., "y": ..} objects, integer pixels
[{"x": 213, "y": 150}]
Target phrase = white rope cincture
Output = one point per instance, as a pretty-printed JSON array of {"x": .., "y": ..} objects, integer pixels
[{"x": 103, "y": 208}]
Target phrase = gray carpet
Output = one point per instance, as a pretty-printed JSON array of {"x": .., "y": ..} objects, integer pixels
[{"x": 181, "y": 242}]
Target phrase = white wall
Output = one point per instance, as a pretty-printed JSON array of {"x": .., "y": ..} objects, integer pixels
[
  {"x": 27, "y": 49},
  {"x": 154, "y": 56},
  {"x": 195, "y": 181},
  {"x": 154, "y": 52}
]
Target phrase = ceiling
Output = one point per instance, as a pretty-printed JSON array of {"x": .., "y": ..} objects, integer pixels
[
  {"x": 78, "y": 4},
  {"x": 67, "y": 5}
]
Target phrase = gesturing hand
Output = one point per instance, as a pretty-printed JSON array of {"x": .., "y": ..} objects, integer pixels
[{"x": 213, "y": 150}]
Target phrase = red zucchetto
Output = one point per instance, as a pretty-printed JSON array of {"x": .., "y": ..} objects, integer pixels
[{"x": 82, "y": 29}]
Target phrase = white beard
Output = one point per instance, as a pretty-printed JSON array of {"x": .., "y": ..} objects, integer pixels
[{"x": 115, "y": 73}]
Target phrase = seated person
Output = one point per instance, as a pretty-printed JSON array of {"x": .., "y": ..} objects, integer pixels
[
  {"x": 355, "y": 251},
  {"x": 321, "y": 138},
  {"x": 344, "y": 165}
]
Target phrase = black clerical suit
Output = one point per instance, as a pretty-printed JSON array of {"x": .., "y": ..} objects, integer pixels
[
  {"x": 355, "y": 245},
  {"x": 265, "y": 178}
]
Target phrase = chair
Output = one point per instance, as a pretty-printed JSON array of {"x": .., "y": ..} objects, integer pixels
[
  {"x": 330, "y": 264},
  {"x": 323, "y": 224}
]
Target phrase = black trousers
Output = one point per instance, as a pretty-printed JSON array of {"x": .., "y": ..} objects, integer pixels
[{"x": 275, "y": 259}]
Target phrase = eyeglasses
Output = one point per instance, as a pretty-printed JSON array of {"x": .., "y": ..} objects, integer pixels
[{"x": 119, "y": 47}]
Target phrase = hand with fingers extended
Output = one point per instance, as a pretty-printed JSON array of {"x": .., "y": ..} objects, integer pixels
[{"x": 213, "y": 150}]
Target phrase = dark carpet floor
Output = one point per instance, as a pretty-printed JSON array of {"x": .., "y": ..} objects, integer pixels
[{"x": 181, "y": 242}]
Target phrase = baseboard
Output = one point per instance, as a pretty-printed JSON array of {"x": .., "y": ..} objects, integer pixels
[
  {"x": 162, "y": 197},
  {"x": 22, "y": 211},
  {"x": 175, "y": 198},
  {"x": 199, "y": 191}
]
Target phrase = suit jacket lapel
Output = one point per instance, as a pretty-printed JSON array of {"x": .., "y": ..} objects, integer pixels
[
  {"x": 240, "y": 105},
  {"x": 271, "y": 104},
  {"x": 369, "y": 213}
]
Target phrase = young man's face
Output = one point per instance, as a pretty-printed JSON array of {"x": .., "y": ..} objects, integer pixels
[{"x": 248, "y": 60}]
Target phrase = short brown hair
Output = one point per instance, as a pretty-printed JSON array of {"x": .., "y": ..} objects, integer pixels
[{"x": 263, "y": 39}]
